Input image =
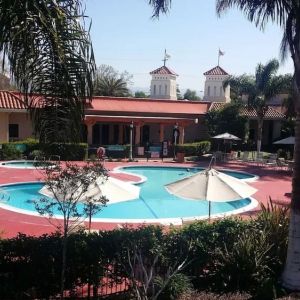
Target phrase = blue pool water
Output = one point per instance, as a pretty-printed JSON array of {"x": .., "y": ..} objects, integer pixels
[{"x": 154, "y": 201}]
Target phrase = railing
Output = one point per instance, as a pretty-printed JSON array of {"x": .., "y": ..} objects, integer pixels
[{"x": 110, "y": 283}]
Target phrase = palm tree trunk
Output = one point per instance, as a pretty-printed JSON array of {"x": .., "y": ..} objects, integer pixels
[
  {"x": 260, "y": 123},
  {"x": 291, "y": 274}
]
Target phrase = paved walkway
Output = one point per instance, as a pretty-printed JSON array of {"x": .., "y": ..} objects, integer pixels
[{"x": 272, "y": 183}]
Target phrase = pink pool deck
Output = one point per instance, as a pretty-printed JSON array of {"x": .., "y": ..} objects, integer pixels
[{"x": 273, "y": 183}]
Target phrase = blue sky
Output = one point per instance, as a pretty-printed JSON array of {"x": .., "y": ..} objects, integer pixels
[{"x": 125, "y": 37}]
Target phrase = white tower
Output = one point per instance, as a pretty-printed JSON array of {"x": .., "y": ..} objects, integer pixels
[
  {"x": 163, "y": 82},
  {"x": 213, "y": 90}
]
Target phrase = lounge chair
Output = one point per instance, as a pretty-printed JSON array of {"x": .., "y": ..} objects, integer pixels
[
  {"x": 281, "y": 164},
  {"x": 245, "y": 157},
  {"x": 272, "y": 161}
]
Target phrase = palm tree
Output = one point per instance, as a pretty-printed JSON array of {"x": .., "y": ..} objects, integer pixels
[
  {"x": 111, "y": 86},
  {"x": 259, "y": 89},
  {"x": 49, "y": 53},
  {"x": 285, "y": 13},
  {"x": 109, "y": 82}
]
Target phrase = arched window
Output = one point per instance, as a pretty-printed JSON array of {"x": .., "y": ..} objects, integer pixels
[
  {"x": 208, "y": 91},
  {"x": 215, "y": 91},
  {"x": 154, "y": 90},
  {"x": 221, "y": 91},
  {"x": 166, "y": 89},
  {"x": 159, "y": 90}
]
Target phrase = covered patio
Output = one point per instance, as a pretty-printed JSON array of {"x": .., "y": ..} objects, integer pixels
[{"x": 109, "y": 120}]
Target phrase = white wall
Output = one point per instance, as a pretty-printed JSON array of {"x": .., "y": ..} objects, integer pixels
[
  {"x": 163, "y": 87},
  {"x": 213, "y": 89}
]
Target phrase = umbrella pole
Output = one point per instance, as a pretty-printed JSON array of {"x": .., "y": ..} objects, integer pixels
[{"x": 209, "y": 210}]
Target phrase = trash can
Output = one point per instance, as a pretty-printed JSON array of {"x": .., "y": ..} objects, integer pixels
[{"x": 180, "y": 157}]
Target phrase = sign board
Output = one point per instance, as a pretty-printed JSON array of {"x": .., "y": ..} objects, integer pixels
[
  {"x": 165, "y": 148},
  {"x": 154, "y": 154},
  {"x": 140, "y": 151}
]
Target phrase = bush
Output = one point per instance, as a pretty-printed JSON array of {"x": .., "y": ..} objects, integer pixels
[
  {"x": 177, "y": 286},
  {"x": 226, "y": 256},
  {"x": 194, "y": 149},
  {"x": 39, "y": 154},
  {"x": 30, "y": 145},
  {"x": 211, "y": 296},
  {"x": 69, "y": 152},
  {"x": 9, "y": 152}
]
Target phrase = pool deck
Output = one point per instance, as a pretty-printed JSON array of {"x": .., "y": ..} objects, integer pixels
[{"x": 273, "y": 183}]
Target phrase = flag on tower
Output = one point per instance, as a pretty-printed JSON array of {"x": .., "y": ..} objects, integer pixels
[{"x": 221, "y": 53}]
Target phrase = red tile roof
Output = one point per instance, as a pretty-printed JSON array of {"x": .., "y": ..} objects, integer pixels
[
  {"x": 271, "y": 114},
  {"x": 120, "y": 105},
  {"x": 150, "y": 106},
  {"x": 216, "y": 71},
  {"x": 163, "y": 70},
  {"x": 9, "y": 100}
]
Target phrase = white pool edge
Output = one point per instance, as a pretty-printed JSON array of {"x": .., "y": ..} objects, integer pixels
[{"x": 3, "y": 165}]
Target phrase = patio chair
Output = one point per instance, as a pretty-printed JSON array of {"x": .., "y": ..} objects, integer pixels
[
  {"x": 272, "y": 161},
  {"x": 245, "y": 157},
  {"x": 281, "y": 164},
  {"x": 259, "y": 160}
]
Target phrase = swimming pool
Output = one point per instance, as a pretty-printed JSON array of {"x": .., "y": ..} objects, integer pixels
[
  {"x": 26, "y": 164},
  {"x": 155, "y": 204}
]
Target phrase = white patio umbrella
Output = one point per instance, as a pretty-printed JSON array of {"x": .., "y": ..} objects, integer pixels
[
  {"x": 113, "y": 189},
  {"x": 287, "y": 141},
  {"x": 212, "y": 186},
  {"x": 226, "y": 137}
]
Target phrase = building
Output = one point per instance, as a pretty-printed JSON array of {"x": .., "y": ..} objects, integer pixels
[
  {"x": 213, "y": 87},
  {"x": 108, "y": 119},
  {"x": 163, "y": 84}
]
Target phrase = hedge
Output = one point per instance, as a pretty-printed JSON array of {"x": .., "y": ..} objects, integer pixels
[
  {"x": 28, "y": 147},
  {"x": 222, "y": 256},
  {"x": 67, "y": 152},
  {"x": 194, "y": 149}
]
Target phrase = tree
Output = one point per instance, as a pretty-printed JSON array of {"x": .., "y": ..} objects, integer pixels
[
  {"x": 217, "y": 120},
  {"x": 190, "y": 95},
  {"x": 286, "y": 13},
  {"x": 178, "y": 93},
  {"x": 50, "y": 54},
  {"x": 66, "y": 188},
  {"x": 259, "y": 90},
  {"x": 109, "y": 82},
  {"x": 140, "y": 94}
]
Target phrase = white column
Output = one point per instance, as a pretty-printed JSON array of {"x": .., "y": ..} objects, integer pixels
[
  {"x": 181, "y": 136},
  {"x": 161, "y": 132}
]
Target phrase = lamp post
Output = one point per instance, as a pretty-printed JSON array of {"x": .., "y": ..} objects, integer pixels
[
  {"x": 175, "y": 132},
  {"x": 131, "y": 141}
]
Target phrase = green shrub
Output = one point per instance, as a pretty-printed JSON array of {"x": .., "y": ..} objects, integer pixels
[
  {"x": 178, "y": 285},
  {"x": 194, "y": 149},
  {"x": 36, "y": 154},
  {"x": 69, "y": 152},
  {"x": 211, "y": 296},
  {"x": 30, "y": 144},
  {"x": 9, "y": 151}
]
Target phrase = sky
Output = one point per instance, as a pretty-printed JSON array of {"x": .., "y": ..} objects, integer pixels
[{"x": 126, "y": 37}]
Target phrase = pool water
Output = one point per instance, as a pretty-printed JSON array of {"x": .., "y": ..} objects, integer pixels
[
  {"x": 154, "y": 201},
  {"x": 26, "y": 164}
]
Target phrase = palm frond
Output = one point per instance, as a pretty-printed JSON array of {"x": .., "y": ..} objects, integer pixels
[
  {"x": 160, "y": 6},
  {"x": 50, "y": 54},
  {"x": 258, "y": 11}
]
